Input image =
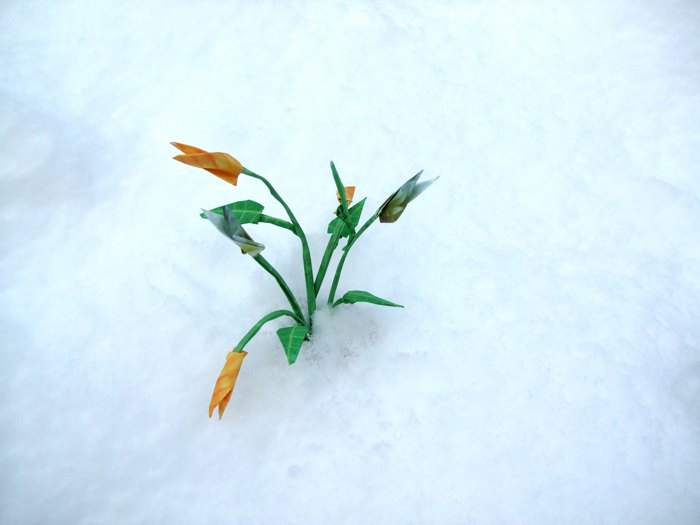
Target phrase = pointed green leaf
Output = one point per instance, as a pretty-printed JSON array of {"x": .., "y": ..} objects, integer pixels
[
  {"x": 355, "y": 214},
  {"x": 359, "y": 296},
  {"x": 292, "y": 338},
  {"x": 247, "y": 212},
  {"x": 343, "y": 211}
]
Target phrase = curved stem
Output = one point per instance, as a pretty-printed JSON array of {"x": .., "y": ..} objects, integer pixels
[
  {"x": 346, "y": 250},
  {"x": 305, "y": 252},
  {"x": 287, "y": 292},
  {"x": 277, "y": 222},
  {"x": 257, "y": 326}
]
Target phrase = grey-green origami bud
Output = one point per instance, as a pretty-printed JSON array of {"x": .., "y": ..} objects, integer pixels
[
  {"x": 394, "y": 206},
  {"x": 228, "y": 225}
]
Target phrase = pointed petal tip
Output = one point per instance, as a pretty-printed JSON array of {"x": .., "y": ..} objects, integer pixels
[
  {"x": 179, "y": 145},
  {"x": 186, "y": 148}
]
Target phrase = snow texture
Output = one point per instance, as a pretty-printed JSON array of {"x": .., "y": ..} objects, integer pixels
[{"x": 546, "y": 368}]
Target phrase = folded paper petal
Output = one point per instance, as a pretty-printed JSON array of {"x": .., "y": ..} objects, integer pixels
[
  {"x": 187, "y": 149},
  {"x": 226, "y": 382},
  {"x": 394, "y": 206},
  {"x": 229, "y": 226},
  {"x": 222, "y": 165},
  {"x": 248, "y": 246},
  {"x": 349, "y": 194}
]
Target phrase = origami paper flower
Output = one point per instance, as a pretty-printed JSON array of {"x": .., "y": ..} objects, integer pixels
[
  {"x": 226, "y": 381},
  {"x": 222, "y": 165},
  {"x": 228, "y": 225},
  {"x": 394, "y": 206},
  {"x": 349, "y": 194}
]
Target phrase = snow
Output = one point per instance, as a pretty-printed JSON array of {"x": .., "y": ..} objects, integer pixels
[{"x": 546, "y": 368}]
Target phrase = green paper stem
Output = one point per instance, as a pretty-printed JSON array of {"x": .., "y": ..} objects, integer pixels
[
  {"x": 327, "y": 255},
  {"x": 257, "y": 326},
  {"x": 280, "y": 280},
  {"x": 277, "y": 222},
  {"x": 305, "y": 252},
  {"x": 346, "y": 250}
]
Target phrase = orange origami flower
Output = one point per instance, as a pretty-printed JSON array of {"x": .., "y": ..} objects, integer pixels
[
  {"x": 222, "y": 165},
  {"x": 226, "y": 382},
  {"x": 349, "y": 194}
]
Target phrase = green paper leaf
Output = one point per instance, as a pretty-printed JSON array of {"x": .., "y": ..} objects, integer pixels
[
  {"x": 292, "y": 338},
  {"x": 360, "y": 296},
  {"x": 355, "y": 214},
  {"x": 247, "y": 212},
  {"x": 343, "y": 211}
]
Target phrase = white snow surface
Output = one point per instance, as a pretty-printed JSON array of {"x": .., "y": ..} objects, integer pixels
[{"x": 546, "y": 368}]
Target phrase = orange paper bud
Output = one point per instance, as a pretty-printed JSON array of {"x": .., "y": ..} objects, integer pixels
[
  {"x": 226, "y": 382},
  {"x": 349, "y": 194},
  {"x": 222, "y": 165}
]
